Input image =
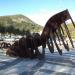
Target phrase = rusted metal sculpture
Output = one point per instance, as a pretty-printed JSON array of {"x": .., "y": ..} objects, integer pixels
[
  {"x": 54, "y": 28},
  {"x": 28, "y": 47}
]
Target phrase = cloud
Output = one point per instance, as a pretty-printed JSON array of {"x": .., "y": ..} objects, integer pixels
[
  {"x": 42, "y": 16},
  {"x": 72, "y": 15}
]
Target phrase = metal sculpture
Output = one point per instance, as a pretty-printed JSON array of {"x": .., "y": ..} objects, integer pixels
[
  {"x": 28, "y": 47},
  {"x": 54, "y": 28}
]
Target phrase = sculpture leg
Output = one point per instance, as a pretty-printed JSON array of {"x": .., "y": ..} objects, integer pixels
[
  {"x": 65, "y": 45},
  {"x": 59, "y": 50},
  {"x": 64, "y": 34},
  {"x": 38, "y": 54},
  {"x": 58, "y": 37},
  {"x": 66, "y": 28},
  {"x": 50, "y": 45},
  {"x": 43, "y": 50}
]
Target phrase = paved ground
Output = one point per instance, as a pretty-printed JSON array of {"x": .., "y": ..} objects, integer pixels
[{"x": 53, "y": 64}]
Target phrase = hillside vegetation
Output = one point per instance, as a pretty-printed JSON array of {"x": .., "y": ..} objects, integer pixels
[
  {"x": 71, "y": 30},
  {"x": 18, "y": 24}
]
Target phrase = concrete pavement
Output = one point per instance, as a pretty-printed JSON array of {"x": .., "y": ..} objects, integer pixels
[{"x": 52, "y": 64}]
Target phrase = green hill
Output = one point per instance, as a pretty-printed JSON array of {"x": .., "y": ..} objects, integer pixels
[
  {"x": 21, "y": 24},
  {"x": 71, "y": 29},
  {"x": 18, "y": 23}
]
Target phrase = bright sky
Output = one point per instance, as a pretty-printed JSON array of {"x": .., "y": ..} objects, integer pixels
[{"x": 37, "y": 10}]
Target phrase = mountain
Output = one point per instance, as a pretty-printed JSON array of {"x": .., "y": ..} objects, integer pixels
[
  {"x": 20, "y": 18},
  {"x": 19, "y": 22}
]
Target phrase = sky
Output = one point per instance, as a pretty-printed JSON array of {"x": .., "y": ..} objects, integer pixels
[{"x": 38, "y": 11}]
